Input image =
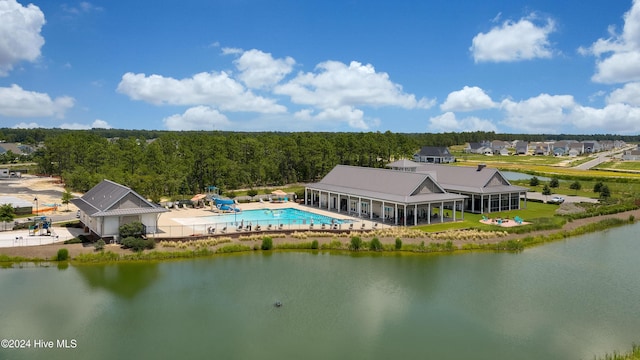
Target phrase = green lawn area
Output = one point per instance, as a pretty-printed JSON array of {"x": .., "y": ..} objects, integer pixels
[
  {"x": 511, "y": 159},
  {"x": 534, "y": 210},
  {"x": 620, "y": 165}
]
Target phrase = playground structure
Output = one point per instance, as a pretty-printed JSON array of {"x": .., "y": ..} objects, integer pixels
[{"x": 41, "y": 227}]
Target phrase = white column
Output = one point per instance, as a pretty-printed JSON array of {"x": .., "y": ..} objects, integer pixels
[
  {"x": 404, "y": 214},
  {"x": 370, "y": 209},
  {"x": 415, "y": 214},
  {"x": 395, "y": 213}
]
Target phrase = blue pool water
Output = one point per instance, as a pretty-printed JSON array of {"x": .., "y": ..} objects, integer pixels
[{"x": 286, "y": 216}]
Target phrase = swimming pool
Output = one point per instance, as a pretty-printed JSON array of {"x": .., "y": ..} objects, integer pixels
[{"x": 265, "y": 217}]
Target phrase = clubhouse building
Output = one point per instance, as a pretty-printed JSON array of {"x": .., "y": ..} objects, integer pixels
[{"x": 412, "y": 193}]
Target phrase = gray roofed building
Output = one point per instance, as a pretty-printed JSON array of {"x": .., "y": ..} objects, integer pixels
[
  {"x": 384, "y": 194},
  {"x": 434, "y": 154},
  {"x": 487, "y": 190},
  {"x": 108, "y": 205}
]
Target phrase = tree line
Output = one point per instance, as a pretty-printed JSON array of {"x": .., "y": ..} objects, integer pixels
[{"x": 169, "y": 163}]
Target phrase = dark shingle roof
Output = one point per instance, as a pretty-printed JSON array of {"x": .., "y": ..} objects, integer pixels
[
  {"x": 434, "y": 151},
  {"x": 109, "y": 199}
]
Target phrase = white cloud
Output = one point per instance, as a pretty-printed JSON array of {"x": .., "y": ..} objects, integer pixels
[
  {"x": 260, "y": 70},
  {"x": 198, "y": 118},
  {"x": 614, "y": 118},
  {"x": 619, "y": 55},
  {"x": 628, "y": 94},
  {"x": 17, "y": 102},
  {"x": 24, "y": 125},
  {"x": 216, "y": 89},
  {"x": 82, "y": 7},
  {"x": 347, "y": 114},
  {"x": 336, "y": 85},
  {"x": 100, "y": 124},
  {"x": 74, "y": 126},
  {"x": 20, "y": 37},
  {"x": 448, "y": 122},
  {"x": 514, "y": 41},
  {"x": 543, "y": 113},
  {"x": 467, "y": 99}
]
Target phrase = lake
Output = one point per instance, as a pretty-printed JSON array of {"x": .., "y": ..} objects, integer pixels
[{"x": 567, "y": 300}]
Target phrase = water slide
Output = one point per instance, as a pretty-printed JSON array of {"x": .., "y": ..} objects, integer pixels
[{"x": 226, "y": 204}]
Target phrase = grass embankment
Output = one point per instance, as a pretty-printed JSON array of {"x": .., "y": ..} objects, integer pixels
[
  {"x": 385, "y": 240},
  {"x": 634, "y": 354}
]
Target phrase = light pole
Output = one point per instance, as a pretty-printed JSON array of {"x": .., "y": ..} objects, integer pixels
[{"x": 36, "y": 214}]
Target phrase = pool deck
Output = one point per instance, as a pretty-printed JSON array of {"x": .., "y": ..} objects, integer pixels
[{"x": 170, "y": 227}]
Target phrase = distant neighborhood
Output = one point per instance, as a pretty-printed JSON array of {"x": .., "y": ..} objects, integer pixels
[{"x": 571, "y": 148}]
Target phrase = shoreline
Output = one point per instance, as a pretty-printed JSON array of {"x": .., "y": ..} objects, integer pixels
[{"x": 300, "y": 241}]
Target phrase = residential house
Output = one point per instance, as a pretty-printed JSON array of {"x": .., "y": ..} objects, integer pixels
[
  {"x": 631, "y": 155},
  {"x": 522, "y": 147},
  {"x": 499, "y": 147},
  {"x": 591, "y": 147},
  {"x": 576, "y": 148},
  {"x": 434, "y": 154}
]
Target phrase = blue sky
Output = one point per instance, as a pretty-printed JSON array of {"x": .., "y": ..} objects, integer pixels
[{"x": 515, "y": 66}]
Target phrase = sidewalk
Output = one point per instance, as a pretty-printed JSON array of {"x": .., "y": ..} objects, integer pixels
[{"x": 22, "y": 237}]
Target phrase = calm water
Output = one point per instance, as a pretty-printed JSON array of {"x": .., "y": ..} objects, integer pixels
[
  {"x": 567, "y": 300},
  {"x": 514, "y": 175}
]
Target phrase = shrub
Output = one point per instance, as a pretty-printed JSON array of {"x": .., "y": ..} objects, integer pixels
[
  {"x": 632, "y": 218},
  {"x": 534, "y": 181},
  {"x": 605, "y": 193},
  {"x": 375, "y": 244},
  {"x": 135, "y": 228},
  {"x": 554, "y": 183},
  {"x": 355, "y": 244},
  {"x": 252, "y": 192},
  {"x": 63, "y": 255},
  {"x": 99, "y": 245},
  {"x": 597, "y": 186},
  {"x": 314, "y": 244},
  {"x": 267, "y": 243},
  {"x": 575, "y": 185},
  {"x": 546, "y": 190},
  {"x": 137, "y": 244},
  {"x": 398, "y": 244}
]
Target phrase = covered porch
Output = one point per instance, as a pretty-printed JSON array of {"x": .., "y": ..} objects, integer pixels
[{"x": 437, "y": 208}]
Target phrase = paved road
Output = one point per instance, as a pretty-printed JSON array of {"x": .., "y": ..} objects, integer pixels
[{"x": 600, "y": 158}]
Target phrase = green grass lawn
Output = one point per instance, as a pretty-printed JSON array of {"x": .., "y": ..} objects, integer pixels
[
  {"x": 620, "y": 165},
  {"x": 534, "y": 210}
]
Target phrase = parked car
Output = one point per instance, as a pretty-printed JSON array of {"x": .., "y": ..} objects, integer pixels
[{"x": 555, "y": 200}]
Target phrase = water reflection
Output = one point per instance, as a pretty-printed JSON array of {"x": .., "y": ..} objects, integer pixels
[{"x": 123, "y": 280}]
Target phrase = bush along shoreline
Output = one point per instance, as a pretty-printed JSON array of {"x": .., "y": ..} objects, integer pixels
[{"x": 443, "y": 242}]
